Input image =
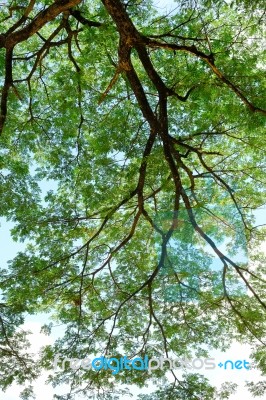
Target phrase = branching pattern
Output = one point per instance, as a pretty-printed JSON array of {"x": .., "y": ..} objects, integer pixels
[{"x": 151, "y": 129}]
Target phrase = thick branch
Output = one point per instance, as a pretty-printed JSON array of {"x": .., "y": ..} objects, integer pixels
[
  {"x": 49, "y": 14},
  {"x": 209, "y": 58},
  {"x": 8, "y": 83},
  {"x": 84, "y": 21}
]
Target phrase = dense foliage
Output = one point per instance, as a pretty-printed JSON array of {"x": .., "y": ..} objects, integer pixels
[{"x": 132, "y": 161}]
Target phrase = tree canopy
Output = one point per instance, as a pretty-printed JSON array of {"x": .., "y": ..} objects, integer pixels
[{"x": 147, "y": 128}]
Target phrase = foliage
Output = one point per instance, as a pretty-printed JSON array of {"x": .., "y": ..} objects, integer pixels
[{"x": 150, "y": 127}]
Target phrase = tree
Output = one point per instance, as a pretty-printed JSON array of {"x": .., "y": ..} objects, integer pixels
[{"x": 150, "y": 127}]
